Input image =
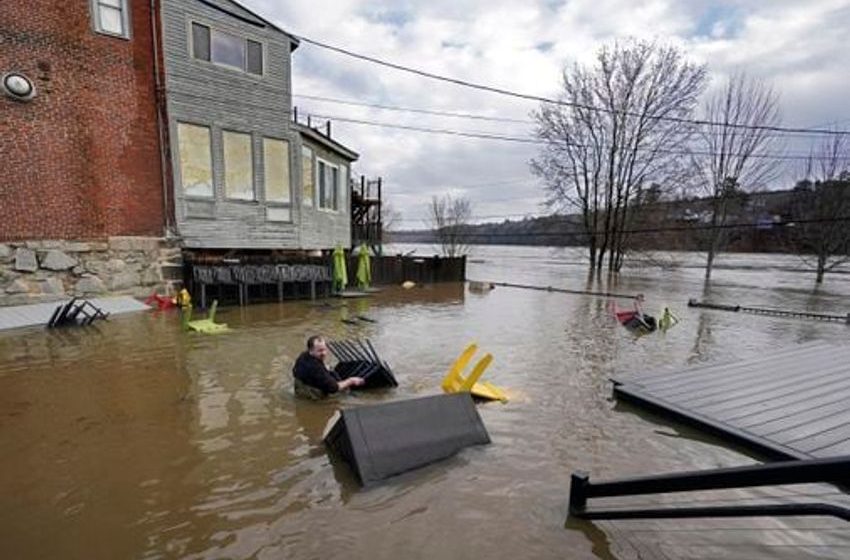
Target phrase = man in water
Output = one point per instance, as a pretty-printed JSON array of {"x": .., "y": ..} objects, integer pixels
[{"x": 313, "y": 378}]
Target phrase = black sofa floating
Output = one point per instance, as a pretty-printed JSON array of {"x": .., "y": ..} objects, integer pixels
[
  {"x": 358, "y": 358},
  {"x": 76, "y": 312},
  {"x": 383, "y": 440}
]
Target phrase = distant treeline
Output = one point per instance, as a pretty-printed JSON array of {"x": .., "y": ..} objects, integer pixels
[{"x": 663, "y": 225}]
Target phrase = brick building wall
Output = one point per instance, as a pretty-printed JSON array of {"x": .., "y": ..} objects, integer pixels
[{"x": 82, "y": 159}]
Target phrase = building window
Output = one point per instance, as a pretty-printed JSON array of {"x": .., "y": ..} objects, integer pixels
[
  {"x": 238, "y": 166},
  {"x": 307, "y": 177},
  {"x": 226, "y": 49},
  {"x": 328, "y": 179},
  {"x": 276, "y": 165},
  {"x": 195, "y": 160},
  {"x": 111, "y": 17},
  {"x": 344, "y": 188}
]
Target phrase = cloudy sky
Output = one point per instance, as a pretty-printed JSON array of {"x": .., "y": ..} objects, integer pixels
[{"x": 800, "y": 46}]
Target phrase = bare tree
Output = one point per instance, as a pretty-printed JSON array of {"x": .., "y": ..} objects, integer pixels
[
  {"x": 449, "y": 217},
  {"x": 729, "y": 157},
  {"x": 619, "y": 125},
  {"x": 821, "y": 208},
  {"x": 390, "y": 217}
]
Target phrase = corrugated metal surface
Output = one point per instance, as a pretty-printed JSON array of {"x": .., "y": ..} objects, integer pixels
[{"x": 794, "y": 403}]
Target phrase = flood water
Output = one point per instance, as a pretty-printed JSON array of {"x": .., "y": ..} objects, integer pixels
[{"x": 132, "y": 439}]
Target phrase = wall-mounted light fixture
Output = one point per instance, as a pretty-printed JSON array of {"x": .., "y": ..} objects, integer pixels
[{"x": 17, "y": 86}]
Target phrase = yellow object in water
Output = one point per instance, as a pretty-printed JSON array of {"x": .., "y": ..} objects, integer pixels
[
  {"x": 206, "y": 326},
  {"x": 454, "y": 382},
  {"x": 183, "y": 299},
  {"x": 667, "y": 320}
]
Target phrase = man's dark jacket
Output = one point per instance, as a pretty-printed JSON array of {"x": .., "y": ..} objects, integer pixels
[{"x": 312, "y": 371}]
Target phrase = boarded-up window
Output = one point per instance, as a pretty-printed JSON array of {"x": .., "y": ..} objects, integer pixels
[
  {"x": 195, "y": 160},
  {"x": 307, "y": 175},
  {"x": 201, "y": 42},
  {"x": 238, "y": 166},
  {"x": 255, "y": 58},
  {"x": 276, "y": 162}
]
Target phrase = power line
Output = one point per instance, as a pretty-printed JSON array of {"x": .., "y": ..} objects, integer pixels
[
  {"x": 413, "y": 109},
  {"x": 535, "y": 141},
  {"x": 542, "y": 99},
  {"x": 457, "y": 114}
]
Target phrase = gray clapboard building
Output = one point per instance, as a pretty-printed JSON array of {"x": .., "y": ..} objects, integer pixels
[{"x": 245, "y": 176}]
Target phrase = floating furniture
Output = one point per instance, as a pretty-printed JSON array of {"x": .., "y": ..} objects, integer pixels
[
  {"x": 638, "y": 324},
  {"x": 667, "y": 320},
  {"x": 206, "y": 326},
  {"x": 76, "y": 312},
  {"x": 357, "y": 320},
  {"x": 454, "y": 382},
  {"x": 480, "y": 287},
  {"x": 160, "y": 302},
  {"x": 383, "y": 440},
  {"x": 807, "y": 471},
  {"x": 792, "y": 403},
  {"x": 358, "y": 358},
  {"x": 351, "y": 294}
]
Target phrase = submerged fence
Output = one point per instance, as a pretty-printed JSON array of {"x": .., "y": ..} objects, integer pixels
[{"x": 264, "y": 278}]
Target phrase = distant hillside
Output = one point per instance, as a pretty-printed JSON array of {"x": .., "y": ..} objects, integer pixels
[
  {"x": 546, "y": 230},
  {"x": 662, "y": 225}
]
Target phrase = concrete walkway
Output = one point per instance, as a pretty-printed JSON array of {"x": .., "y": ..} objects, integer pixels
[{"x": 38, "y": 314}]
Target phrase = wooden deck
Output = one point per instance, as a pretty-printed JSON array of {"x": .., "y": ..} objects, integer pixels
[
  {"x": 38, "y": 314},
  {"x": 791, "y": 404}
]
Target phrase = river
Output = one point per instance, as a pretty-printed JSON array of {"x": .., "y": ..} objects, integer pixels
[{"x": 132, "y": 439}]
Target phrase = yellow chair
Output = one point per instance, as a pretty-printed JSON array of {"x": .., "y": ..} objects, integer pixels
[
  {"x": 454, "y": 382},
  {"x": 205, "y": 326}
]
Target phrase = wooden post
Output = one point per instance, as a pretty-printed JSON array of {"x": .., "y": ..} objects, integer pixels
[{"x": 313, "y": 289}]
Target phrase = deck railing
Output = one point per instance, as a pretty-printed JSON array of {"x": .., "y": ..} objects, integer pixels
[{"x": 832, "y": 470}]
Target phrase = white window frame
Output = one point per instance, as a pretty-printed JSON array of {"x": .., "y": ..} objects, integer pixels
[
  {"x": 317, "y": 186},
  {"x": 125, "y": 19},
  {"x": 213, "y": 30}
]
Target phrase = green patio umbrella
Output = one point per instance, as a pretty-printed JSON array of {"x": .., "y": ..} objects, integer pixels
[
  {"x": 340, "y": 275},
  {"x": 364, "y": 268}
]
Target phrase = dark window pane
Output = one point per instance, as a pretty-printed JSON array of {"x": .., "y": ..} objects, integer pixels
[
  {"x": 201, "y": 41},
  {"x": 255, "y": 58}
]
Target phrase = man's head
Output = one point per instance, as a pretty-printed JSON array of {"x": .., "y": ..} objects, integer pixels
[{"x": 317, "y": 348}]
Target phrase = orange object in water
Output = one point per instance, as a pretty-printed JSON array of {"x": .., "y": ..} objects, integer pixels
[{"x": 161, "y": 302}]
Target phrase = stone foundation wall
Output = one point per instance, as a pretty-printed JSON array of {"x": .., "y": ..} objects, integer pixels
[{"x": 40, "y": 271}]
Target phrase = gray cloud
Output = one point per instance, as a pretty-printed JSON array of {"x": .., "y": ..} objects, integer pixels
[{"x": 797, "y": 46}]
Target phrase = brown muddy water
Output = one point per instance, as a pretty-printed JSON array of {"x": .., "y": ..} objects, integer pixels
[{"x": 132, "y": 439}]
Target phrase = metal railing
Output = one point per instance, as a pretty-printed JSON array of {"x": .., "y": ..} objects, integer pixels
[{"x": 832, "y": 470}]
